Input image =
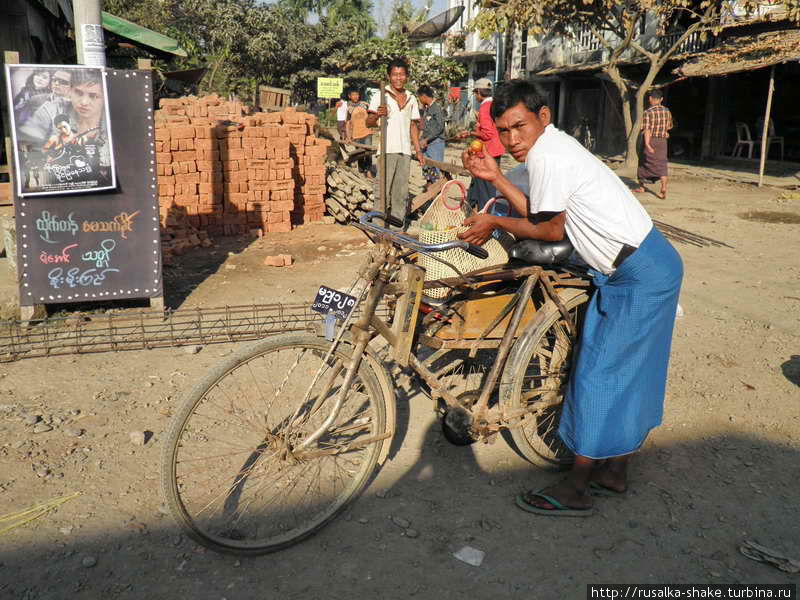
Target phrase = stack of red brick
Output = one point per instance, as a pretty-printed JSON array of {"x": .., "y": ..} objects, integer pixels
[{"x": 225, "y": 173}]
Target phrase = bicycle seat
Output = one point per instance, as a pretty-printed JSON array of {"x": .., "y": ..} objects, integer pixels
[{"x": 537, "y": 252}]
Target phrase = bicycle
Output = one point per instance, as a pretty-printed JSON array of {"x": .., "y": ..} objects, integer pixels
[
  {"x": 583, "y": 133},
  {"x": 278, "y": 439}
]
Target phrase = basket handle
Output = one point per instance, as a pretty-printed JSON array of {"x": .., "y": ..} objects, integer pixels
[
  {"x": 443, "y": 195},
  {"x": 488, "y": 205}
]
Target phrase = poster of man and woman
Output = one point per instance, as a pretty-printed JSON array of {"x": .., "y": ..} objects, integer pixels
[{"x": 60, "y": 129}]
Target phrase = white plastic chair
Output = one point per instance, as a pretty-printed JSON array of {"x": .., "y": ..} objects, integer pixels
[
  {"x": 743, "y": 140},
  {"x": 773, "y": 139}
]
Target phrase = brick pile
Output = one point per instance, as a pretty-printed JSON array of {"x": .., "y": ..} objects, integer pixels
[{"x": 222, "y": 172}]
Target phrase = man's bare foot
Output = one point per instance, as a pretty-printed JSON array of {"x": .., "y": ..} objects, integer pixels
[
  {"x": 639, "y": 190},
  {"x": 611, "y": 475},
  {"x": 564, "y": 492}
]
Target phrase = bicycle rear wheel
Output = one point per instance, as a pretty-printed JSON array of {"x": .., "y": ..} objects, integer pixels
[
  {"x": 535, "y": 379},
  {"x": 233, "y": 474}
]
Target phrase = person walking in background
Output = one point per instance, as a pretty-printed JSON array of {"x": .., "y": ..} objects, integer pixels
[
  {"x": 656, "y": 123},
  {"x": 480, "y": 191},
  {"x": 402, "y": 130},
  {"x": 341, "y": 118},
  {"x": 357, "y": 130},
  {"x": 432, "y": 140}
]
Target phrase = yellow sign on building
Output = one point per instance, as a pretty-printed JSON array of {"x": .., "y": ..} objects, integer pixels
[{"x": 329, "y": 87}]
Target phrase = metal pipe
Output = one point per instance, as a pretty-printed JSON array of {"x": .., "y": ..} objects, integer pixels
[{"x": 505, "y": 347}]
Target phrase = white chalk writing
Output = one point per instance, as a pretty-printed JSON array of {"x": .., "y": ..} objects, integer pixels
[
  {"x": 101, "y": 255},
  {"x": 47, "y": 224},
  {"x": 75, "y": 278}
]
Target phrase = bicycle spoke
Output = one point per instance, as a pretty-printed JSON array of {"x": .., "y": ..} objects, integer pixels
[{"x": 250, "y": 494}]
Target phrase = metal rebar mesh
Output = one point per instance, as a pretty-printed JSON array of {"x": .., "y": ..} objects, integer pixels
[{"x": 129, "y": 330}]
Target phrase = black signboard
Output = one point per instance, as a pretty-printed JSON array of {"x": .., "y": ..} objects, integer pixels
[
  {"x": 330, "y": 302},
  {"x": 99, "y": 245}
]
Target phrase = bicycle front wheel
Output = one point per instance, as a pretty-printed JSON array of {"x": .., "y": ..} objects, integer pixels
[{"x": 233, "y": 473}]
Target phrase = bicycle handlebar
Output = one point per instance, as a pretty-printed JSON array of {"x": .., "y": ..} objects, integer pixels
[{"x": 406, "y": 240}]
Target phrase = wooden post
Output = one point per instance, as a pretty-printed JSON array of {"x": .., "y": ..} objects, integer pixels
[
  {"x": 706, "y": 143},
  {"x": 9, "y": 58},
  {"x": 765, "y": 128},
  {"x": 27, "y": 312},
  {"x": 382, "y": 158}
]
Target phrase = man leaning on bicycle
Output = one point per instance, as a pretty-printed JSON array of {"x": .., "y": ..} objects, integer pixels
[{"x": 616, "y": 394}]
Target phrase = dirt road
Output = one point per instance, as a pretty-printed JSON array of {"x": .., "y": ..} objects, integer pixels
[{"x": 723, "y": 468}]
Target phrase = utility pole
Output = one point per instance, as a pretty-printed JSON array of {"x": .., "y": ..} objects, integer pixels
[{"x": 89, "y": 39}]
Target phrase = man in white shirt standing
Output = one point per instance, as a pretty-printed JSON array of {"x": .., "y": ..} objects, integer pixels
[
  {"x": 615, "y": 394},
  {"x": 402, "y": 129}
]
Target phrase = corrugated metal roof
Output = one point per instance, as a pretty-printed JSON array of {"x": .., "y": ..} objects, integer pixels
[{"x": 142, "y": 35}]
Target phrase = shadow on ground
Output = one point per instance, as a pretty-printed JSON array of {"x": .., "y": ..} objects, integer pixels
[
  {"x": 689, "y": 507},
  {"x": 791, "y": 369}
]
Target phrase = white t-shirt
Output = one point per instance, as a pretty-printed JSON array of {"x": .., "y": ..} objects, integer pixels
[
  {"x": 398, "y": 125},
  {"x": 602, "y": 213},
  {"x": 341, "y": 111}
]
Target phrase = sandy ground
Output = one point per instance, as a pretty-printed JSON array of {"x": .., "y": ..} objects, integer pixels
[{"x": 723, "y": 467}]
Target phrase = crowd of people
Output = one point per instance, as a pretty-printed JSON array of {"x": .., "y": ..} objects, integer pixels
[{"x": 415, "y": 127}]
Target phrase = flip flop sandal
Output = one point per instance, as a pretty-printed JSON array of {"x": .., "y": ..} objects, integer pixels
[
  {"x": 559, "y": 509},
  {"x": 595, "y": 489},
  {"x": 639, "y": 190}
]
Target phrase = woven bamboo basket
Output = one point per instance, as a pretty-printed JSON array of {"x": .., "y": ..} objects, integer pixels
[{"x": 446, "y": 216}]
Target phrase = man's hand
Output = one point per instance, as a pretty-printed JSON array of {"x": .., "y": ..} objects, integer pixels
[
  {"x": 480, "y": 229},
  {"x": 423, "y": 144},
  {"x": 481, "y": 165},
  {"x": 464, "y": 135},
  {"x": 382, "y": 110},
  {"x": 649, "y": 149},
  {"x": 421, "y": 158}
]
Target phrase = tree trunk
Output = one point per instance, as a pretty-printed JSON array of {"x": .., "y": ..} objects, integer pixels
[{"x": 627, "y": 113}]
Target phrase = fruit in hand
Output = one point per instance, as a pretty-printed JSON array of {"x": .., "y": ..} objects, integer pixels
[{"x": 475, "y": 146}]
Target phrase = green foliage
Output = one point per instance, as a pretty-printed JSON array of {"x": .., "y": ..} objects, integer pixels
[
  {"x": 404, "y": 16},
  {"x": 357, "y": 13},
  {"x": 245, "y": 43},
  {"x": 366, "y": 63}
]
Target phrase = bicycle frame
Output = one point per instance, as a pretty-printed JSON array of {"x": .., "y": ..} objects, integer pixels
[{"x": 386, "y": 261}]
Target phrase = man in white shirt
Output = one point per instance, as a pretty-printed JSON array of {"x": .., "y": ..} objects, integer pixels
[
  {"x": 615, "y": 394},
  {"x": 341, "y": 119},
  {"x": 402, "y": 129}
]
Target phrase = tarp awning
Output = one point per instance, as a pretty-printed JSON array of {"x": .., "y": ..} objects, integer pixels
[
  {"x": 141, "y": 35},
  {"x": 745, "y": 53}
]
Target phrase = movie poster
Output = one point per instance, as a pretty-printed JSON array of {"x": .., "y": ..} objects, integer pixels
[{"x": 61, "y": 129}]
